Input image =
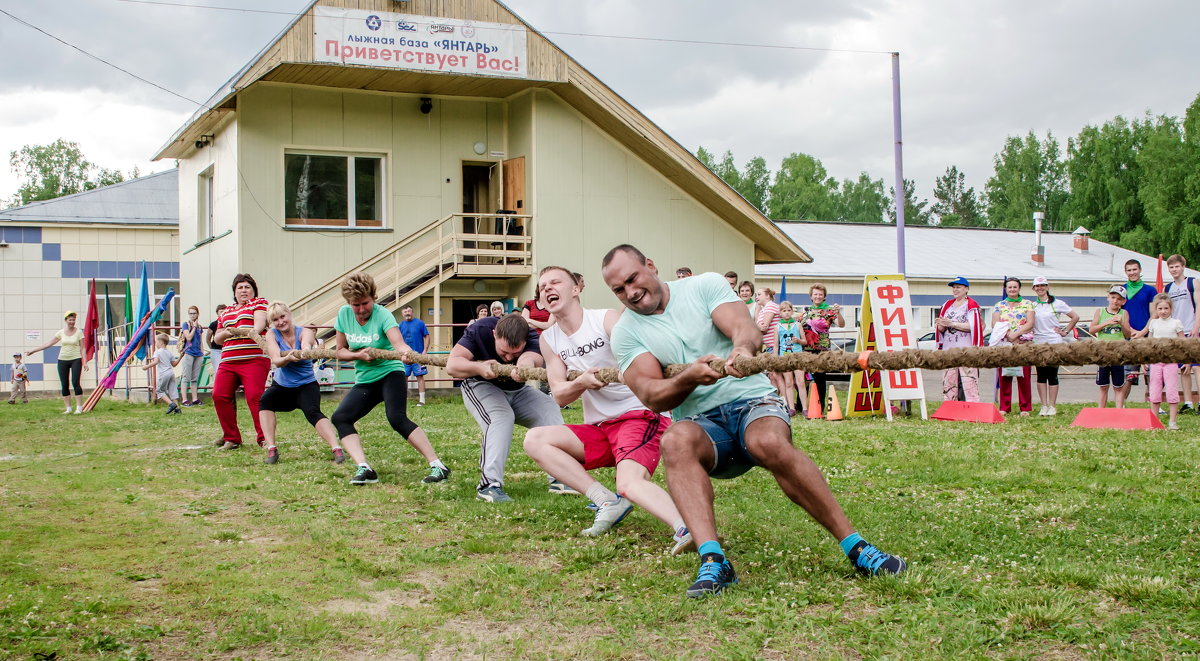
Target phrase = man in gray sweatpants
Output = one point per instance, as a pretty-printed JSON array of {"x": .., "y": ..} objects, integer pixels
[{"x": 499, "y": 403}]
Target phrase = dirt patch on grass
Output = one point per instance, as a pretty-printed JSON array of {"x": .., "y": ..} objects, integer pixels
[{"x": 380, "y": 601}]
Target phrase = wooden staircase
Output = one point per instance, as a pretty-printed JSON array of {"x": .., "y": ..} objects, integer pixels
[{"x": 428, "y": 257}]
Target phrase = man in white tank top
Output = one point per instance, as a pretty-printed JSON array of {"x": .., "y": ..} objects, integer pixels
[{"x": 618, "y": 429}]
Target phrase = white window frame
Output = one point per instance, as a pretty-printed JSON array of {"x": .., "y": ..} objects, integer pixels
[
  {"x": 381, "y": 187},
  {"x": 206, "y": 197}
]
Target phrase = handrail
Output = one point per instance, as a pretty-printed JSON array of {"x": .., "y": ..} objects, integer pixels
[{"x": 399, "y": 245}]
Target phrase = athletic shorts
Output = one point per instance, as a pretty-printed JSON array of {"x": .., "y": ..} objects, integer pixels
[
  {"x": 1132, "y": 372},
  {"x": 1111, "y": 374},
  {"x": 165, "y": 385},
  {"x": 726, "y": 429},
  {"x": 634, "y": 435},
  {"x": 415, "y": 370}
]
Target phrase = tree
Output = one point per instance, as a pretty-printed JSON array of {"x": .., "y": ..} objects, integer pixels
[
  {"x": 1169, "y": 190},
  {"x": 803, "y": 190},
  {"x": 751, "y": 183},
  {"x": 915, "y": 212},
  {"x": 1104, "y": 175},
  {"x": 862, "y": 200},
  {"x": 1029, "y": 177},
  {"x": 57, "y": 169},
  {"x": 955, "y": 204}
]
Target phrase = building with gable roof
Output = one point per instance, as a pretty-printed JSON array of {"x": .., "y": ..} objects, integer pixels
[
  {"x": 50, "y": 250},
  {"x": 451, "y": 151}
]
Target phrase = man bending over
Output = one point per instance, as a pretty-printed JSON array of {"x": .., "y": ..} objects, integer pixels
[{"x": 724, "y": 426}]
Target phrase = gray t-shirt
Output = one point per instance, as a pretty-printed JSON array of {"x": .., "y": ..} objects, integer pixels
[{"x": 165, "y": 358}]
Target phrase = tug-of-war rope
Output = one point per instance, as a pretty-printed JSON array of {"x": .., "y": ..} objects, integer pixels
[{"x": 1093, "y": 352}]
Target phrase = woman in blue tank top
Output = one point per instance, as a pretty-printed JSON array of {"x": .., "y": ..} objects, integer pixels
[{"x": 295, "y": 384}]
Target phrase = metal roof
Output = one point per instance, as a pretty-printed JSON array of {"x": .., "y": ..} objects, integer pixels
[
  {"x": 854, "y": 249},
  {"x": 149, "y": 200}
]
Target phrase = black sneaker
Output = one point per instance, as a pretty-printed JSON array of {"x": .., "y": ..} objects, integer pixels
[
  {"x": 870, "y": 561},
  {"x": 172, "y": 407},
  {"x": 436, "y": 474},
  {"x": 716, "y": 574},
  {"x": 272, "y": 455},
  {"x": 365, "y": 475}
]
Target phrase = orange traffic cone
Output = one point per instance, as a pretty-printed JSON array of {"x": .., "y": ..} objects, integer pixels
[
  {"x": 835, "y": 411},
  {"x": 815, "y": 410}
]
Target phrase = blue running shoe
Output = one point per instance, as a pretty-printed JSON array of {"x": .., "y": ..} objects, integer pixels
[
  {"x": 871, "y": 561},
  {"x": 716, "y": 574}
]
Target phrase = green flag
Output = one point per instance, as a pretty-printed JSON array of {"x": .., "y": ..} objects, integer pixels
[{"x": 128, "y": 310}]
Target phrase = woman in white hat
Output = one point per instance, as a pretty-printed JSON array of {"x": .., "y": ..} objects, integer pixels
[{"x": 1047, "y": 330}]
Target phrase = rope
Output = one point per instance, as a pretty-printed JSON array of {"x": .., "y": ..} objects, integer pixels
[{"x": 1088, "y": 352}]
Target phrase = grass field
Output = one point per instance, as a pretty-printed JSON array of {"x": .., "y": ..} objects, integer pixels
[{"x": 124, "y": 534}]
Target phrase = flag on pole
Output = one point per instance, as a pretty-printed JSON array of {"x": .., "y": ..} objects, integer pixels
[
  {"x": 108, "y": 326},
  {"x": 783, "y": 289},
  {"x": 129, "y": 320},
  {"x": 143, "y": 308},
  {"x": 1158, "y": 278},
  {"x": 90, "y": 325}
]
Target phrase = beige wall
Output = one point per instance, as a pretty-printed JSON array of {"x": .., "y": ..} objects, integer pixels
[
  {"x": 208, "y": 270},
  {"x": 593, "y": 194}
]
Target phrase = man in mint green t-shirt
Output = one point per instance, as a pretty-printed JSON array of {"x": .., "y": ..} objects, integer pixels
[{"x": 724, "y": 424}]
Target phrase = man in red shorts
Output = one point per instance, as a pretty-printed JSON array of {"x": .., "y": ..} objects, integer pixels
[{"x": 617, "y": 431}]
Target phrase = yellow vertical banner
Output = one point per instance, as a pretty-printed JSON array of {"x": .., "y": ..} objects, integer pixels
[{"x": 866, "y": 388}]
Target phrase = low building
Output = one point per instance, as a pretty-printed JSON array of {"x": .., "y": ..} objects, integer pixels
[
  {"x": 1080, "y": 269},
  {"x": 50, "y": 251}
]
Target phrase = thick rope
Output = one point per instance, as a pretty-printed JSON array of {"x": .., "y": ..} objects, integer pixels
[{"x": 1087, "y": 352}]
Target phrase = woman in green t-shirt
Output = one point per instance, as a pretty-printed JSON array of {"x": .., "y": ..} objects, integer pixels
[{"x": 361, "y": 325}]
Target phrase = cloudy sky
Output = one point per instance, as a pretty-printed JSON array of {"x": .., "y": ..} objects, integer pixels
[{"x": 972, "y": 72}]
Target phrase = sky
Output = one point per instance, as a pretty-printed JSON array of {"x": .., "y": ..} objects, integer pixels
[{"x": 971, "y": 73}]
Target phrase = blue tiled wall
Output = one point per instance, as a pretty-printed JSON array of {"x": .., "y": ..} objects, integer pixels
[
  {"x": 21, "y": 234},
  {"x": 109, "y": 270}
]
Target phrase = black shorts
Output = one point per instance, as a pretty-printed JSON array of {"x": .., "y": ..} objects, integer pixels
[{"x": 281, "y": 399}]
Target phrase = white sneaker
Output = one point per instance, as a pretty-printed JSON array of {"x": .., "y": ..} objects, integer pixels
[
  {"x": 1050, "y": 410},
  {"x": 78, "y": 410},
  {"x": 609, "y": 515},
  {"x": 68, "y": 411},
  {"x": 1173, "y": 426},
  {"x": 683, "y": 542},
  {"x": 1043, "y": 410}
]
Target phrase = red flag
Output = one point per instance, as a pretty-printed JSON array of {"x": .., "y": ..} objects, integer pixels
[
  {"x": 1158, "y": 279},
  {"x": 90, "y": 325}
]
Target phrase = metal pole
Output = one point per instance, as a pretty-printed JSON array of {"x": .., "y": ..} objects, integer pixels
[{"x": 899, "y": 151}]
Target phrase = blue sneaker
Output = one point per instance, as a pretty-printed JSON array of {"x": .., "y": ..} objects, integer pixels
[
  {"x": 716, "y": 574},
  {"x": 871, "y": 561}
]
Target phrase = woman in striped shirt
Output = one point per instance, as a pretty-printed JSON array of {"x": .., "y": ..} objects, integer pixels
[{"x": 242, "y": 361}]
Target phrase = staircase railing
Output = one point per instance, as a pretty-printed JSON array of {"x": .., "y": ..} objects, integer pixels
[{"x": 477, "y": 245}]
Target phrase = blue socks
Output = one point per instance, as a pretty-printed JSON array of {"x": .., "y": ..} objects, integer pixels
[
  {"x": 711, "y": 546},
  {"x": 849, "y": 543}
]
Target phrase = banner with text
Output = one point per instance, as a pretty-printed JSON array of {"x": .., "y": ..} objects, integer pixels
[
  {"x": 424, "y": 43},
  {"x": 891, "y": 309},
  {"x": 866, "y": 392}
]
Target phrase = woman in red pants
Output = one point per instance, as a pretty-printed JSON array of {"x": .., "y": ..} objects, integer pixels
[{"x": 242, "y": 362}]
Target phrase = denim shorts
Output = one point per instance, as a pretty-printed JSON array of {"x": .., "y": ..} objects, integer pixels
[{"x": 726, "y": 425}]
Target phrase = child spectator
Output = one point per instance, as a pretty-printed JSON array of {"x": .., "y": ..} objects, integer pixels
[
  {"x": 1182, "y": 291},
  {"x": 790, "y": 339},
  {"x": 1111, "y": 324},
  {"x": 20, "y": 376},
  {"x": 166, "y": 360},
  {"x": 1163, "y": 325}
]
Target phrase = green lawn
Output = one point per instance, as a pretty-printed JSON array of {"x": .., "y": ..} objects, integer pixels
[{"x": 124, "y": 534}]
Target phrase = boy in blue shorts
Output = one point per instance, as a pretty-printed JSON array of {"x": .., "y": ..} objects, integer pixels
[
  {"x": 724, "y": 424},
  {"x": 414, "y": 333}
]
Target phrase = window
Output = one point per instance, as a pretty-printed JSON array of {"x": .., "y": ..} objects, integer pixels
[
  {"x": 329, "y": 190},
  {"x": 204, "y": 209}
]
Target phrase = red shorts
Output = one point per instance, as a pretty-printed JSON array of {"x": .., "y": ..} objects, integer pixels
[{"x": 635, "y": 435}]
